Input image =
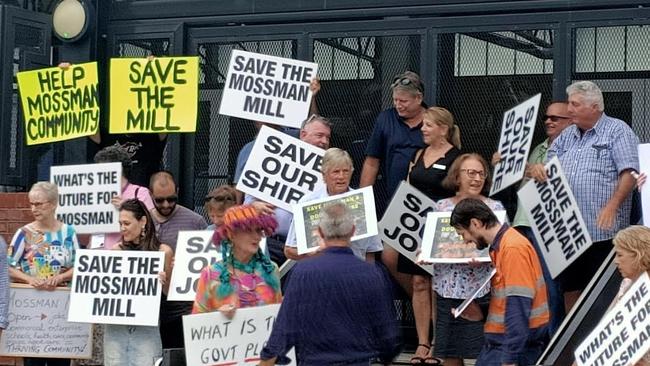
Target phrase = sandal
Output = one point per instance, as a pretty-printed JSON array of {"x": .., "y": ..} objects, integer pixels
[
  {"x": 418, "y": 360},
  {"x": 430, "y": 360}
]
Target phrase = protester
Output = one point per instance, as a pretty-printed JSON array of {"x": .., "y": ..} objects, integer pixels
[
  {"x": 516, "y": 326},
  {"x": 337, "y": 171},
  {"x": 458, "y": 339},
  {"x": 4, "y": 286},
  {"x": 555, "y": 120},
  {"x": 217, "y": 202},
  {"x": 338, "y": 310},
  {"x": 42, "y": 253},
  {"x": 245, "y": 277},
  {"x": 117, "y": 154},
  {"x": 395, "y": 138},
  {"x": 169, "y": 218},
  {"x": 597, "y": 153},
  {"x": 427, "y": 170},
  {"x": 136, "y": 345}
]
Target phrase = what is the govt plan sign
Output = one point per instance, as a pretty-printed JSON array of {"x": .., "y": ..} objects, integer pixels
[
  {"x": 623, "y": 335},
  {"x": 85, "y": 194},
  {"x": 59, "y": 103},
  {"x": 555, "y": 218},
  {"x": 402, "y": 225},
  {"x": 213, "y": 339},
  {"x": 306, "y": 217},
  {"x": 155, "y": 95},
  {"x": 268, "y": 88},
  {"x": 281, "y": 169},
  {"x": 116, "y": 287},
  {"x": 514, "y": 145},
  {"x": 442, "y": 244}
]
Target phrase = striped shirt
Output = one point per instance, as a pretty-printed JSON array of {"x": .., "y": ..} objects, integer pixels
[
  {"x": 592, "y": 162},
  {"x": 4, "y": 285}
]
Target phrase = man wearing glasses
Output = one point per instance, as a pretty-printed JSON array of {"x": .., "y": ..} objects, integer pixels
[{"x": 170, "y": 218}]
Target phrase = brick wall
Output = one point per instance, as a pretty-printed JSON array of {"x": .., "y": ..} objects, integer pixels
[{"x": 14, "y": 213}]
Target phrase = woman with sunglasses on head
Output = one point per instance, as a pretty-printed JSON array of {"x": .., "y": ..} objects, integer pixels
[
  {"x": 42, "y": 253},
  {"x": 136, "y": 345},
  {"x": 217, "y": 202},
  {"x": 457, "y": 338},
  {"x": 427, "y": 170},
  {"x": 245, "y": 277}
]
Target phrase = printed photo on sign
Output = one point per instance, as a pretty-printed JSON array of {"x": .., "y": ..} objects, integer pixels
[
  {"x": 306, "y": 216},
  {"x": 644, "y": 166},
  {"x": 214, "y": 339},
  {"x": 116, "y": 287},
  {"x": 85, "y": 194},
  {"x": 402, "y": 225},
  {"x": 459, "y": 310},
  {"x": 623, "y": 335},
  {"x": 154, "y": 95},
  {"x": 281, "y": 169},
  {"x": 38, "y": 327},
  {"x": 514, "y": 144},
  {"x": 268, "y": 88},
  {"x": 442, "y": 244},
  {"x": 59, "y": 103},
  {"x": 555, "y": 218}
]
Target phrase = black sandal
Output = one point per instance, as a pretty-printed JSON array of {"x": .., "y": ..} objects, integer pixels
[{"x": 417, "y": 360}]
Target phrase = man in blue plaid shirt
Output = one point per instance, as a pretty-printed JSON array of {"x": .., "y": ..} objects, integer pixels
[{"x": 598, "y": 154}]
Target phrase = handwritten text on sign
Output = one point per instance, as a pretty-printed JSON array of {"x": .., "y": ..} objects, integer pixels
[
  {"x": 555, "y": 218},
  {"x": 514, "y": 145},
  {"x": 157, "y": 95},
  {"x": 85, "y": 194},
  {"x": 281, "y": 169},
  {"x": 267, "y": 88},
  {"x": 402, "y": 225},
  {"x": 213, "y": 339},
  {"x": 623, "y": 335},
  {"x": 116, "y": 287},
  {"x": 38, "y": 326},
  {"x": 59, "y": 104}
]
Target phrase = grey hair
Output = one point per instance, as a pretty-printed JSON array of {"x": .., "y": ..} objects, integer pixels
[
  {"x": 316, "y": 118},
  {"x": 50, "y": 190},
  {"x": 590, "y": 91},
  {"x": 336, "y": 221},
  {"x": 335, "y": 157}
]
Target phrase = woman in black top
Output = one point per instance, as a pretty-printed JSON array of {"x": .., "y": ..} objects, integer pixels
[{"x": 427, "y": 170}]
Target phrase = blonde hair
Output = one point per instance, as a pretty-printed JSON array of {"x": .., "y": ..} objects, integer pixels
[
  {"x": 451, "y": 181},
  {"x": 635, "y": 239},
  {"x": 442, "y": 117},
  {"x": 335, "y": 157}
]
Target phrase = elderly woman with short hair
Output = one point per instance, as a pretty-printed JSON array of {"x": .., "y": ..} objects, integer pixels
[
  {"x": 42, "y": 253},
  {"x": 337, "y": 169}
]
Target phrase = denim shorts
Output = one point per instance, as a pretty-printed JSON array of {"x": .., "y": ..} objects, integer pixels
[{"x": 129, "y": 345}]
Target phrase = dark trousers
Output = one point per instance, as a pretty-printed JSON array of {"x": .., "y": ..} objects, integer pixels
[
  {"x": 171, "y": 333},
  {"x": 492, "y": 355},
  {"x": 46, "y": 362}
]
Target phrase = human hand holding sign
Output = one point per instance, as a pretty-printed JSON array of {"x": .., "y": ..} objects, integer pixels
[{"x": 537, "y": 172}]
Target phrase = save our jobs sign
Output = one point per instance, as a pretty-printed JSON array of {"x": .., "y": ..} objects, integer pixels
[
  {"x": 555, "y": 218},
  {"x": 59, "y": 103},
  {"x": 623, "y": 335},
  {"x": 267, "y": 88},
  {"x": 281, "y": 169},
  {"x": 213, "y": 339},
  {"x": 155, "y": 95},
  {"x": 116, "y": 287},
  {"x": 194, "y": 252},
  {"x": 85, "y": 194},
  {"x": 402, "y": 225},
  {"x": 514, "y": 144}
]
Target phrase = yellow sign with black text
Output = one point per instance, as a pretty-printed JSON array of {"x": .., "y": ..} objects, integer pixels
[
  {"x": 59, "y": 103},
  {"x": 157, "y": 95}
]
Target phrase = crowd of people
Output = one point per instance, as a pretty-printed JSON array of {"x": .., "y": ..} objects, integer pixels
[{"x": 336, "y": 301}]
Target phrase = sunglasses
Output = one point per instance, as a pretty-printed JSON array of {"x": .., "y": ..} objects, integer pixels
[
  {"x": 553, "y": 118},
  {"x": 170, "y": 199},
  {"x": 219, "y": 199}
]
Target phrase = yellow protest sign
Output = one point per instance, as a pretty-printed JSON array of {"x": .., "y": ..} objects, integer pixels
[
  {"x": 154, "y": 95},
  {"x": 59, "y": 104}
]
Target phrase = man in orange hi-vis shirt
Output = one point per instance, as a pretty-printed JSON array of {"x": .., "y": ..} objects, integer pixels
[{"x": 516, "y": 327}]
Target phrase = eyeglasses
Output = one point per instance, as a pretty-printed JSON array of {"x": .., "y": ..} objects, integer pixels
[
  {"x": 38, "y": 204},
  {"x": 219, "y": 199},
  {"x": 473, "y": 173},
  {"x": 553, "y": 118},
  {"x": 170, "y": 199}
]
